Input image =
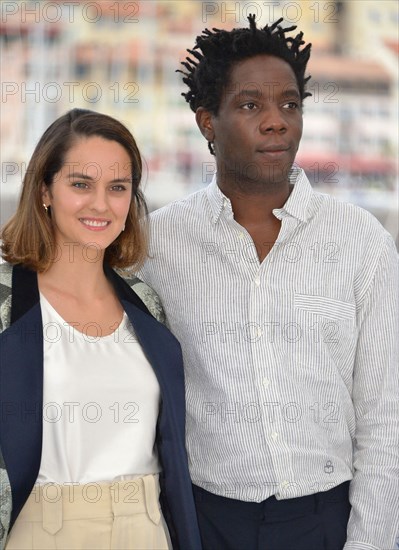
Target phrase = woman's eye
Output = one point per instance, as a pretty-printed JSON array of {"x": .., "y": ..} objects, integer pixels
[
  {"x": 79, "y": 185},
  {"x": 118, "y": 188}
]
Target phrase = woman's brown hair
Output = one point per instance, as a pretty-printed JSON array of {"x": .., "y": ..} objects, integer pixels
[{"x": 28, "y": 237}]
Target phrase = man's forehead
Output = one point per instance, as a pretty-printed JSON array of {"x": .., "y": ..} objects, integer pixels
[
  {"x": 256, "y": 90},
  {"x": 261, "y": 72}
]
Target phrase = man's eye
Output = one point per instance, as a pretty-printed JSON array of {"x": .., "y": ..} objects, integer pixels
[
  {"x": 249, "y": 106},
  {"x": 291, "y": 105}
]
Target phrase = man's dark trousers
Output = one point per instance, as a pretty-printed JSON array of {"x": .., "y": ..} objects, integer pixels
[{"x": 312, "y": 522}]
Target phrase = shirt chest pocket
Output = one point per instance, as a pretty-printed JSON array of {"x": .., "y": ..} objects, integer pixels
[
  {"x": 322, "y": 306},
  {"x": 329, "y": 334}
]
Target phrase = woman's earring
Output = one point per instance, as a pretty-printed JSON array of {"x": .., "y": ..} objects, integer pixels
[{"x": 45, "y": 207}]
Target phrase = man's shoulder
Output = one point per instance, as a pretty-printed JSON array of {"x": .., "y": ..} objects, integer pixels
[
  {"x": 346, "y": 215},
  {"x": 191, "y": 203}
]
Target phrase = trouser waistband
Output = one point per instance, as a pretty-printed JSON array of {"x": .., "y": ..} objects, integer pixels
[
  {"x": 53, "y": 503},
  {"x": 278, "y": 508}
]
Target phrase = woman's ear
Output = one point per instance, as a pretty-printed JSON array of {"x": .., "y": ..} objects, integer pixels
[
  {"x": 46, "y": 195},
  {"x": 204, "y": 122}
]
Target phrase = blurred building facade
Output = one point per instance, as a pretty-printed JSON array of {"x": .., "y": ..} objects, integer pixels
[{"x": 120, "y": 58}]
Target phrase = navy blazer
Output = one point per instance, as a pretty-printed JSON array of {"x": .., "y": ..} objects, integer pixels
[{"x": 21, "y": 398}]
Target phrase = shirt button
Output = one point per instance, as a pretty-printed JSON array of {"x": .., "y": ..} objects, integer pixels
[
  {"x": 274, "y": 436},
  {"x": 266, "y": 382},
  {"x": 257, "y": 280},
  {"x": 241, "y": 235},
  {"x": 285, "y": 484},
  {"x": 259, "y": 332}
]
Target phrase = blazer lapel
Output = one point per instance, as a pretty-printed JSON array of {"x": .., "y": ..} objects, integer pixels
[
  {"x": 164, "y": 355},
  {"x": 25, "y": 291},
  {"x": 123, "y": 290},
  {"x": 21, "y": 388}
]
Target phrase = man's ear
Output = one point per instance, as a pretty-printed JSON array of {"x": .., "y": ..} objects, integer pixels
[{"x": 204, "y": 122}]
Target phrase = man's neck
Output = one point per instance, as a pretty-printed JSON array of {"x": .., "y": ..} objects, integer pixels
[{"x": 251, "y": 207}]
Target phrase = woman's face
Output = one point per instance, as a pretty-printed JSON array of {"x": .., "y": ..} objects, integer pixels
[{"x": 90, "y": 196}]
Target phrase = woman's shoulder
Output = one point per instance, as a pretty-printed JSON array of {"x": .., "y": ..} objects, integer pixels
[
  {"x": 5, "y": 295},
  {"x": 6, "y": 274},
  {"x": 5, "y": 503},
  {"x": 5, "y": 315},
  {"x": 146, "y": 294}
]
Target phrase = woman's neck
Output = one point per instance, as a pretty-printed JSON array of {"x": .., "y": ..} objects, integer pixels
[{"x": 75, "y": 273}]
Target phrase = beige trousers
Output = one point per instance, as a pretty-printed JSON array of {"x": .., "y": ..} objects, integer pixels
[{"x": 118, "y": 515}]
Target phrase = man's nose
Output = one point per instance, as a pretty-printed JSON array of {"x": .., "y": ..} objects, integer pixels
[{"x": 272, "y": 121}]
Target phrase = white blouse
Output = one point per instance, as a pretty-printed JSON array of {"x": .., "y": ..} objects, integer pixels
[{"x": 100, "y": 404}]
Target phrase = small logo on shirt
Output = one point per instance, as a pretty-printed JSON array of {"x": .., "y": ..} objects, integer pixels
[{"x": 328, "y": 467}]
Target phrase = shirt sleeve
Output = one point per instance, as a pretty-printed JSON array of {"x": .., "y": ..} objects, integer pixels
[{"x": 374, "y": 490}]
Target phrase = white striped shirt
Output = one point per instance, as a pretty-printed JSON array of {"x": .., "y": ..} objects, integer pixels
[{"x": 290, "y": 364}]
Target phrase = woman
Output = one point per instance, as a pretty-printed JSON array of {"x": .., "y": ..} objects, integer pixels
[{"x": 92, "y": 393}]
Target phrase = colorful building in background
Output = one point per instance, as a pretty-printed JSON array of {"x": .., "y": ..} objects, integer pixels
[{"x": 120, "y": 58}]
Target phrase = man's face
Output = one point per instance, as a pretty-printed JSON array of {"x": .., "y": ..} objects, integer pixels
[{"x": 258, "y": 128}]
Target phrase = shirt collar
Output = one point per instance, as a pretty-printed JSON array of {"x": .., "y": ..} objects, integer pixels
[
  {"x": 217, "y": 200},
  {"x": 297, "y": 204}
]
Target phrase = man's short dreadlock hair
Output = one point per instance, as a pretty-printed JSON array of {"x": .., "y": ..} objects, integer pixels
[{"x": 208, "y": 73}]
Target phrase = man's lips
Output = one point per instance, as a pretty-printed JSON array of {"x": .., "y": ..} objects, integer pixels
[
  {"x": 277, "y": 148},
  {"x": 273, "y": 153}
]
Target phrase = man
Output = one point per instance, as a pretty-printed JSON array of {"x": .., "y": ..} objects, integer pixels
[{"x": 284, "y": 302}]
